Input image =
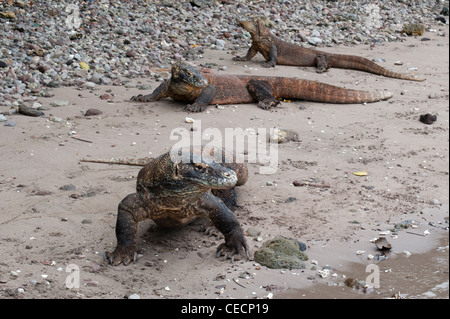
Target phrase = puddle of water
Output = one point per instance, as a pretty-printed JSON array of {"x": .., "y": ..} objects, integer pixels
[{"x": 422, "y": 275}]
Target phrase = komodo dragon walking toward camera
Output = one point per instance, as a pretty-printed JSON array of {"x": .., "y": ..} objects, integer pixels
[
  {"x": 277, "y": 51},
  {"x": 174, "y": 190},
  {"x": 187, "y": 84}
]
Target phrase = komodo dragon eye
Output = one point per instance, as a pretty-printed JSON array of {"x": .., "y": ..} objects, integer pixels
[{"x": 200, "y": 166}]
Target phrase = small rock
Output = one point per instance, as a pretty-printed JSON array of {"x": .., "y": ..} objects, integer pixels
[
  {"x": 86, "y": 221},
  {"x": 134, "y": 296},
  {"x": 428, "y": 118},
  {"x": 131, "y": 53},
  {"x": 93, "y": 112},
  {"x": 354, "y": 283},
  {"x": 56, "y": 119},
  {"x": 106, "y": 96},
  {"x": 68, "y": 187},
  {"x": 42, "y": 193},
  {"x": 281, "y": 253},
  {"x": 315, "y": 41},
  {"x": 89, "y": 85},
  {"x": 59, "y": 103},
  {"x": 280, "y": 135},
  {"x": 404, "y": 224},
  {"x": 8, "y": 15},
  {"x": 253, "y": 232},
  {"x": 413, "y": 29}
]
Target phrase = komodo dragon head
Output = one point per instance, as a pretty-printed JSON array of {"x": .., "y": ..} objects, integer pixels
[
  {"x": 185, "y": 73},
  {"x": 204, "y": 172},
  {"x": 186, "y": 83},
  {"x": 257, "y": 27},
  {"x": 185, "y": 173}
]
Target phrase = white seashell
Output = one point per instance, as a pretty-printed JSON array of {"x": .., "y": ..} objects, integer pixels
[
  {"x": 426, "y": 232},
  {"x": 407, "y": 253},
  {"x": 189, "y": 120},
  {"x": 360, "y": 252},
  {"x": 324, "y": 273}
]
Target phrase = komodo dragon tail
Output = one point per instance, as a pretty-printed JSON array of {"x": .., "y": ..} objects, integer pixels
[
  {"x": 362, "y": 64},
  {"x": 294, "y": 88}
]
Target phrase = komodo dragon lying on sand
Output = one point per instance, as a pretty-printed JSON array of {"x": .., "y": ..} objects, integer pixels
[
  {"x": 188, "y": 84},
  {"x": 173, "y": 191},
  {"x": 277, "y": 51}
]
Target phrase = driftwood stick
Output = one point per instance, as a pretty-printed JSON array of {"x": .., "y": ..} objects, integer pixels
[
  {"x": 131, "y": 162},
  {"x": 298, "y": 184}
]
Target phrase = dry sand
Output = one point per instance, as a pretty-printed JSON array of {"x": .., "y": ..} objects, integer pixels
[{"x": 46, "y": 231}]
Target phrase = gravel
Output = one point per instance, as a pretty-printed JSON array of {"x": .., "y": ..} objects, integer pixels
[{"x": 48, "y": 44}]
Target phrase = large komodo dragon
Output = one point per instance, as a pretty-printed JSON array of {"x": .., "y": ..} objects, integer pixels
[
  {"x": 187, "y": 84},
  {"x": 173, "y": 191},
  {"x": 277, "y": 51}
]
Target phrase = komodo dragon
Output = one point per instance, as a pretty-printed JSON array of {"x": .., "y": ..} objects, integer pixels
[
  {"x": 187, "y": 84},
  {"x": 277, "y": 51},
  {"x": 173, "y": 191}
]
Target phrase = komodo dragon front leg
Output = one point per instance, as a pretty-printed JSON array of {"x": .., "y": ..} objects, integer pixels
[
  {"x": 203, "y": 100},
  {"x": 226, "y": 222},
  {"x": 131, "y": 211},
  {"x": 159, "y": 93},
  {"x": 271, "y": 58}
]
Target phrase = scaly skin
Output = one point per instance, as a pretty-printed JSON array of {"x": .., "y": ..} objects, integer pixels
[
  {"x": 188, "y": 84},
  {"x": 276, "y": 51},
  {"x": 175, "y": 191}
]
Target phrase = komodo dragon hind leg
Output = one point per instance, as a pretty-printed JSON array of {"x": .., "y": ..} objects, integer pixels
[
  {"x": 322, "y": 63},
  {"x": 261, "y": 91}
]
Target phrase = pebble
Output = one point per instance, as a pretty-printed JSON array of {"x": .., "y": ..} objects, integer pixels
[
  {"x": 134, "y": 296},
  {"x": 253, "y": 232},
  {"x": 10, "y": 124},
  {"x": 93, "y": 112},
  {"x": 59, "y": 103}
]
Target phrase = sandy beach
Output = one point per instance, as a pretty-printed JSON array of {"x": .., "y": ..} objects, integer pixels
[{"x": 59, "y": 214}]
